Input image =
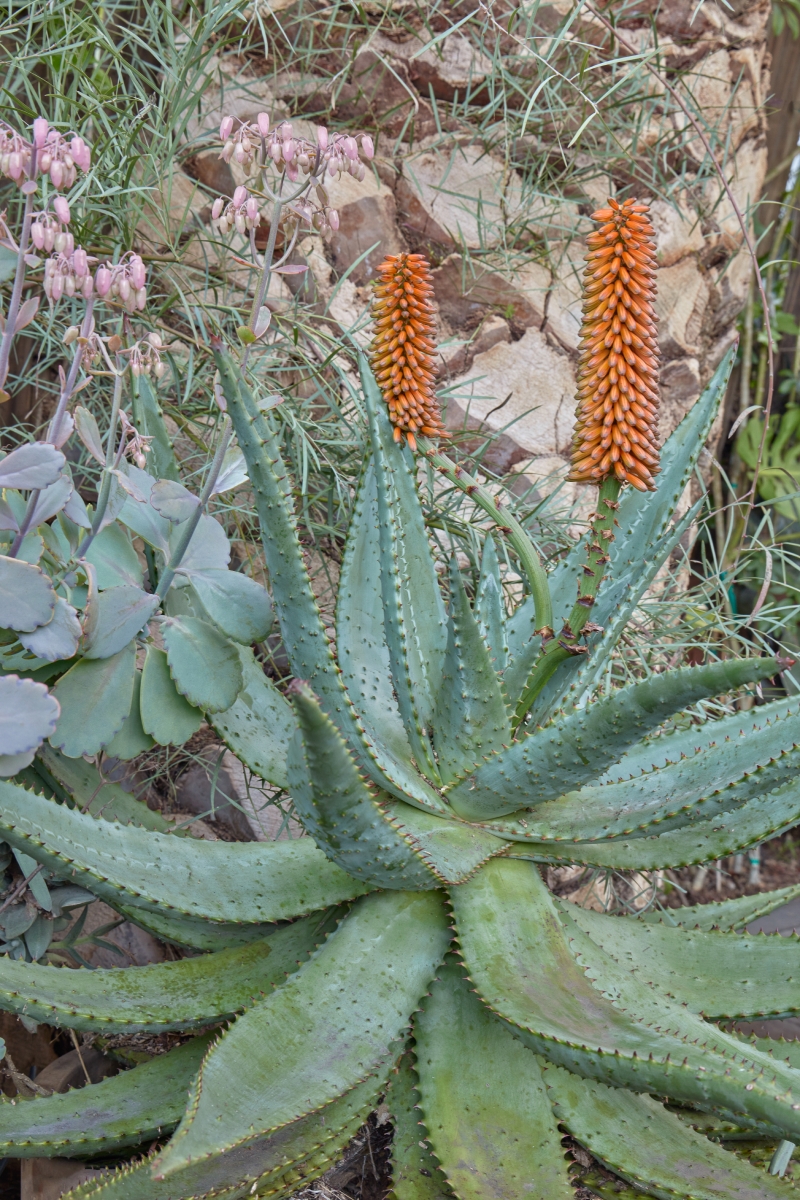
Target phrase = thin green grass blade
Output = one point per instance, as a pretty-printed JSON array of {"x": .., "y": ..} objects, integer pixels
[
  {"x": 636, "y": 1137},
  {"x": 578, "y": 746},
  {"x": 242, "y": 882},
  {"x": 315, "y": 1038},
  {"x": 489, "y": 1120},
  {"x": 125, "y": 1110}
]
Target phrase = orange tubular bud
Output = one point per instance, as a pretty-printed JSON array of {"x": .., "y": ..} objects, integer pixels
[
  {"x": 403, "y": 347},
  {"x": 616, "y": 417}
]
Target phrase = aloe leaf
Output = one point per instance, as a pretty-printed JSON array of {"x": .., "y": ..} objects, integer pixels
[
  {"x": 149, "y": 420},
  {"x": 452, "y": 849},
  {"x": 415, "y": 1172},
  {"x": 171, "y": 995},
  {"x": 131, "y": 739},
  {"x": 361, "y": 634},
  {"x": 636, "y": 1137},
  {"x": 487, "y": 1113},
  {"x": 382, "y": 957},
  {"x": 240, "y": 606},
  {"x": 301, "y": 626},
  {"x": 413, "y": 611},
  {"x": 242, "y": 882},
  {"x": 569, "y": 1002},
  {"x": 470, "y": 718},
  {"x": 577, "y": 747},
  {"x": 114, "y": 559},
  {"x": 737, "y": 913},
  {"x": 490, "y": 607},
  {"x": 275, "y": 1165},
  {"x": 82, "y": 784},
  {"x": 259, "y": 725},
  {"x": 203, "y": 663},
  {"x": 27, "y": 598},
  {"x": 743, "y": 758},
  {"x": 167, "y": 717},
  {"x": 125, "y": 1110},
  {"x": 721, "y": 975},
  {"x": 115, "y": 616},
  {"x": 95, "y": 698},
  {"x": 643, "y": 540},
  {"x": 338, "y": 809},
  {"x": 725, "y": 833}
]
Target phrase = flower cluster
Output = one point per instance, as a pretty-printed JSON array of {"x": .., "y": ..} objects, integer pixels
[
  {"x": 68, "y": 273},
  {"x": 124, "y": 280},
  {"x": 47, "y": 232},
  {"x": 335, "y": 153},
  {"x": 136, "y": 445},
  {"x": 404, "y": 345},
  {"x": 616, "y": 429},
  {"x": 241, "y": 214},
  {"x": 48, "y": 153},
  {"x": 144, "y": 357}
]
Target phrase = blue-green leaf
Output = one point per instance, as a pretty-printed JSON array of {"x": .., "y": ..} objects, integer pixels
[
  {"x": 166, "y": 716},
  {"x": 95, "y": 697}
]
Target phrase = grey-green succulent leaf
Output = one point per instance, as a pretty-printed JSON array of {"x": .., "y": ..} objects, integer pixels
[
  {"x": 636, "y": 1137},
  {"x": 338, "y": 809},
  {"x": 114, "y": 559},
  {"x": 131, "y": 739},
  {"x": 58, "y": 639},
  {"x": 483, "y": 1101},
  {"x": 28, "y": 714},
  {"x": 82, "y": 784},
  {"x": 334, "y": 1022},
  {"x": 130, "y": 1108},
  {"x": 490, "y": 608},
  {"x": 203, "y": 663},
  {"x": 415, "y": 1172},
  {"x": 470, "y": 719},
  {"x": 149, "y": 420},
  {"x": 735, "y": 914},
  {"x": 577, "y": 747},
  {"x": 242, "y": 882},
  {"x": 95, "y": 697},
  {"x": 452, "y": 849},
  {"x": 259, "y": 725},
  {"x": 240, "y": 606},
  {"x": 167, "y": 716},
  {"x": 27, "y": 598}
]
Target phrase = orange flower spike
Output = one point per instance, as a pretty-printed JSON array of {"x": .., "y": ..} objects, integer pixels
[
  {"x": 404, "y": 346},
  {"x": 616, "y": 417}
]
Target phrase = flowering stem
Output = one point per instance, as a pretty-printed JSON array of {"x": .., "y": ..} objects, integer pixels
[
  {"x": 55, "y": 425},
  {"x": 105, "y": 487},
  {"x": 263, "y": 284},
  {"x": 558, "y": 649},
  {"x": 507, "y": 524},
  {"x": 19, "y": 277},
  {"x": 165, "y": 582}
]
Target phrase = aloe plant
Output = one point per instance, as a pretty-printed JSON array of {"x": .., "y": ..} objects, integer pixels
[{"x": 409, "y": 947}]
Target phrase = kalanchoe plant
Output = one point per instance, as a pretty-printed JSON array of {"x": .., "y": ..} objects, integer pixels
[{"x": 408, "y": 946}]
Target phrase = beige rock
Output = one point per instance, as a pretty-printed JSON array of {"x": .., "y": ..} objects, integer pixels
[
  {"x": 681, "y": 299},
  {"x": 465, "y": 289},
  {"x": 267, "y": 814},
  {"x": 678, "y": 231},
  {"x": 137, "y": 946},
  {"x": 457, "y": 193},
  {"x": 214, "y": 173},
  {"x": 679, "y": 388},
  {"x": 524, "y": 388},
  {"x": 367, "y": 225},
  {"x": 453, "y": 65},
  {"x": 729, "y": 290},
  {"x": 225, "y": 91},
  {"x": 564, "y": 304},
  {"x": 745, "y": 173},
  {"x": 457, "y": 355},
  {"x": 170, "y": 210},
  {"x": 49, "y": 1178}
]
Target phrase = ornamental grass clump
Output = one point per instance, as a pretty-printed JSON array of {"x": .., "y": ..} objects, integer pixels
[{"x": 438, "y": 754}]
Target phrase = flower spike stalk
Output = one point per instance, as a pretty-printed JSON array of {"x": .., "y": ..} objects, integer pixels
[
  {"x": 403, "y": 350},
  {"x": 615, "y": 431}
]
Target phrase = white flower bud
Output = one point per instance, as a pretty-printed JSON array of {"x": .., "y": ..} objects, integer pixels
[
  {"x": 216, "y": 208},
  {"x": 141, "y": 298},
  {"x": 71, "y": 334}
]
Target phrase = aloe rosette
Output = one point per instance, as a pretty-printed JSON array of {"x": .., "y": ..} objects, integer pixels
[{"x": 408, "y": 946}]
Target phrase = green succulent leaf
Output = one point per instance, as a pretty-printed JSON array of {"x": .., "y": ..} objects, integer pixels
[
  {"x": 338, "y": 809},
  {"x": 115, "y": 616},
  {"x": 114, "y": 559},
  {"x": 490, "y": 608},
  {"x": 195, "y": 931},
  {"x": 171, "y": 995},
  {"x": 470, "y": 718},
  {"x": 204, "y": 665},
  {"x": 721, "y": 975},
  {"x": 242, "y": 882},
  {"x": 82, "y": 784},
  {"x": 259, "y": 725},
  {"x": 166, "y": 716},
  {"x": 237, "y": 604},
  {"x": 59, "y": 638},
  {"x": 383, "y": 955},
  {"x": 737, "y": 913},
  {"x": 209, "y": 549},
  {"x": 487, "y": 1113},
  {"x": 28, "y": 714},
  {"x": 149, "y": 420},
  {"x": 127, "y": 1109},
  {"x": 143, "y": 519},
  {"x": 95, "y": 697},
  {"x": 415, "y": 1172},
  {"x": 571, "y": 1003},
  {"x": 131, "y": 739},
  {"x": 636, "y": 1137},
  {"x": 301, "y": 626},
  {"x": 452, "y": 849},
  {"x": 27, "y": 599},
  {"x": 173, "y": 501},
  {"x": 35, "y": 465},
  {"x": 577, "y": 747}
]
